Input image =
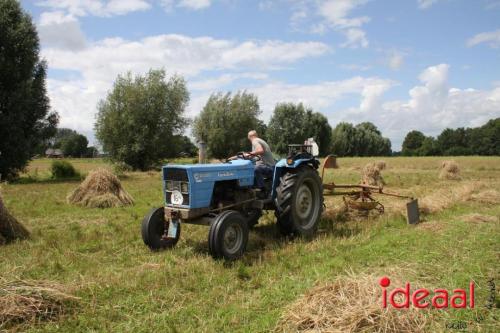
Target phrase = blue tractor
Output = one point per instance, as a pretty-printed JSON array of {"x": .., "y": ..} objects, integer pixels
[{"x": 222, "y": 197}]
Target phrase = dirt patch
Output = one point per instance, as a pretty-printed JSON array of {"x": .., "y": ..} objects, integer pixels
[
  {"x": 432, "y": 226},
  {"x": 10, "y": 228},
  {"x": 101, "y": 189},
  {"x": 28, "y": 302},
  {"x": 479, "y": 218},
  {"x": 349, "y": 304},
  {"x": 449, "y": 170}
]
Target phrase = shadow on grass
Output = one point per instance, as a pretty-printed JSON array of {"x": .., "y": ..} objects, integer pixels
[{"x": 266, "y": 237}]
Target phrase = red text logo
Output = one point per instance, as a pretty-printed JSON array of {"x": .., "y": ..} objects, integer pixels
[{"x": 424, "y": 298}]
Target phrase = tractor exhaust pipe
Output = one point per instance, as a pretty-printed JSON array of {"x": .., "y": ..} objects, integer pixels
[{"x": 202, "y": 152}]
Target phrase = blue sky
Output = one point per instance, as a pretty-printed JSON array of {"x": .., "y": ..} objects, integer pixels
[{"x": 402, "y": 64}]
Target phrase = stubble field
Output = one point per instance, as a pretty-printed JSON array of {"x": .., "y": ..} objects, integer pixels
[{"x": 98, "y": 255}]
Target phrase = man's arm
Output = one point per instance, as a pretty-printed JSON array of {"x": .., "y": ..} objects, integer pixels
[{"x": 259, "y": 150}]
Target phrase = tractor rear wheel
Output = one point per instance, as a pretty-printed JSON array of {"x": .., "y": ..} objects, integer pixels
[
  {"x": 228, "y": 235},
  {"x": 299, "y": 202},
  {"x": 154, "y": 230}
]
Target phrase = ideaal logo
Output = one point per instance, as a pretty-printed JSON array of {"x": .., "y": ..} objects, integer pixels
[{"x": 424, "y": 298}]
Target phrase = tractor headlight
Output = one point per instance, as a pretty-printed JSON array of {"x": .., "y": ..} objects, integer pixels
[
  {"x": 176, "y": 198},
  {"x": 184, "y": 187}
]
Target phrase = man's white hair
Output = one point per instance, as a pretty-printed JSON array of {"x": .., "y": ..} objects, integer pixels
[{"x": 252, "y": 133}]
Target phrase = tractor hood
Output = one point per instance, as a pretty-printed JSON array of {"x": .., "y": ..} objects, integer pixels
[{"x": 196, "y": 181}]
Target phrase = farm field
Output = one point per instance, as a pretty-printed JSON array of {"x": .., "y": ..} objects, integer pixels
[{"x": 98, "y": 254}]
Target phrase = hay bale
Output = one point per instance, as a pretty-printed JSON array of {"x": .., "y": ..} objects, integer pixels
[
  {"x": 381, "y": 165},
  {"x": 23, "y": 302},
  {"x": 372, "y": 175},
  {"x": 349, "y": 304},
  {"x": 101, "y": 189},
  {"x": 10, "y": 228},
  {"x": 449, "y": 170}
]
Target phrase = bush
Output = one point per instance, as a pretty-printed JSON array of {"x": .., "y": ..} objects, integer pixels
[{"x": 63, "y": 170}]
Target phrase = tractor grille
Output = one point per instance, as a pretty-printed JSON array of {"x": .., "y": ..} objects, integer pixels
[
  {"x": 176, "y": 174},
  {"x": 176, "y": 180}
]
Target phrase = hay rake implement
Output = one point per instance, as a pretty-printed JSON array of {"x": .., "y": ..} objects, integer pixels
[{"x": 360, "y": 197}]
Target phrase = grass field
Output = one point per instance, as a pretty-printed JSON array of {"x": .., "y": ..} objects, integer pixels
[{"x": 99, "y": 256}]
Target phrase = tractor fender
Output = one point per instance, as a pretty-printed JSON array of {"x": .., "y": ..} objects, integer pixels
[{"x": 282, "y": 165}]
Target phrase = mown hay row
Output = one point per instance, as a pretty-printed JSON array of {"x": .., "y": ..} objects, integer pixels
[
  {"x": 351, "y": 303},
  {"x": 28, "y": 302}
]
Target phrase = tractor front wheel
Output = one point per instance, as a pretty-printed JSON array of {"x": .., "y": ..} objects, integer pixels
[
  {"x": 228, "y": 235},
  {"x": 154, "y": 230},
  {"x": 299, "y": 202}
]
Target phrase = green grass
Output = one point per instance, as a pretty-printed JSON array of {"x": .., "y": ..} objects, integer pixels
[{"x": 99, "y": 254}]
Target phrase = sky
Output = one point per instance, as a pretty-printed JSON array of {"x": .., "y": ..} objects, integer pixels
[{"x": 402, "y": 64}]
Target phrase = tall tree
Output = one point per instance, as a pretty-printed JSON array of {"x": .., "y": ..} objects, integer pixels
[
  {"x": 25, "y": 117},
  {"x": 293, "y": 123},
  {"x": 364, "y": 139},
  {"x": 224, "y": 122},
  {"x": 412, "y": 143},
  {"x": 70, "y": 142},
  {"x": 317, "y": 127},
  {"x": 285, "y": 126},
  {"x": 140, "y": 118}
]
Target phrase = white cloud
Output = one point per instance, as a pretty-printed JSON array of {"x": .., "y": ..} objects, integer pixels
[
  {"x": 60, "y": 30},
  {"x": 322, "y": 96},
  {"x": 103, "y": 8},
  {"x": 355, "y": 38},
  {"x": 431, "y": 107},
  {"x": 336, "y": 12},
  {"x": 491, "y": 37},
  {"x": 100, "y": 62},
  {"x": 332, "y": 14},
  {"x": 424, "y": 4},
  {"x": 213, "y": 84},
  {"x": 395, "y": 60},
  {"x": 195, "y": 4}
]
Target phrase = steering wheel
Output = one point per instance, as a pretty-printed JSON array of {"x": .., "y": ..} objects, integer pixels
[{"x": 241, "y": 155}]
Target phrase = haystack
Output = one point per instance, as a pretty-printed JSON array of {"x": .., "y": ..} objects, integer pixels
[
  {"x": 10, "y": 228},
  {"x": 449, "y": 170},
  {"x": 349, "y": 304},
  {"x": 372, "y": 175},
  {"x": 381, "y": 165},
  {"x": 101, "y": 189},
  {"x": 23, "y": 302}
]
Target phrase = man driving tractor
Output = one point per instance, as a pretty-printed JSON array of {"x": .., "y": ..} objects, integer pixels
[{"x": 265, "y": 162}]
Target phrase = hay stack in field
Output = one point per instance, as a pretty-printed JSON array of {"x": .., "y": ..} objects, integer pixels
[
  {"x": 10, "y": 228},
  {"x": 372, "y": 175},
  {"x": 101, "y": 189},
  {"x": 449, "y": 170},
  {"x": 349, "y": 304},
  {"x": 23, "y": 302},
  {"x": 381, "y": 165}
]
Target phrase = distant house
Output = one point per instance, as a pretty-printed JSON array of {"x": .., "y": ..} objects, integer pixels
[{"x": 54, "y": 153}]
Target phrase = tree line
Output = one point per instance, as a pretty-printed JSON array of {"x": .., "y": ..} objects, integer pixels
[
  {"x": 482, "y": 140},
  {"x": 142, "y": 120}
]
